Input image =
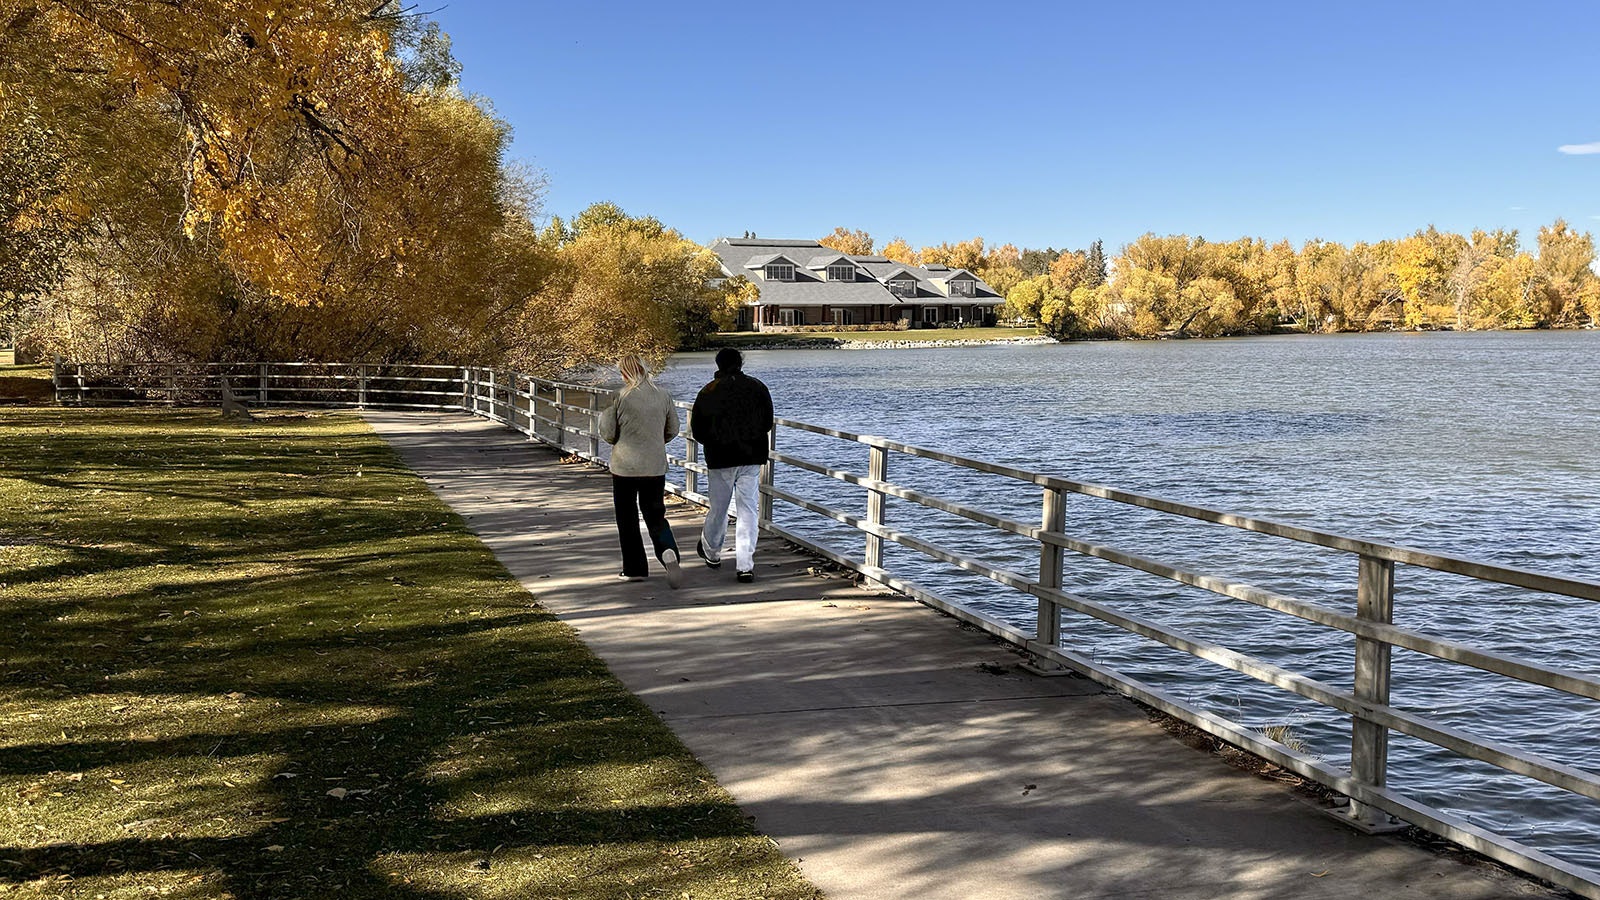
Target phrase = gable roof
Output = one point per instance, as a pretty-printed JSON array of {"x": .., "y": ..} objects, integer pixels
[
  {"x": 768, "y": 259},
  {"x": 824, "y": 261}
]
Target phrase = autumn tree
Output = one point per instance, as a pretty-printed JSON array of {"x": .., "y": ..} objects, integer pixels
[
  {"x": 1565, "y": 259},
  {"x": 269, "y": 179},
  {"x": 1422, "y": 266},
  {"x": 1037, "y": 262},
  {"x": 621, "y": 285},
  {"x": 850, "y": 243},
  {"x": 1027, "y": 297},
  {"x": 900, "y": 251},
  {"x": 967, "y": 255}
]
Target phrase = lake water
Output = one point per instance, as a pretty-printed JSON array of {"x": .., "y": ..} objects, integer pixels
[{"x": 1485, "y": 445}]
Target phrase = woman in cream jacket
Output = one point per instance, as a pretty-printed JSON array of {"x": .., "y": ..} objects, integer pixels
[{"x": 638, "y": 426}]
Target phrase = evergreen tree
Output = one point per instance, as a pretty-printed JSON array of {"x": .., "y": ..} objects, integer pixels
[{"x": 1094, "y": 269}]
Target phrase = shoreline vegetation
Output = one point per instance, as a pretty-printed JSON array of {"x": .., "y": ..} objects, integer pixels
[{"x": 1000, "y": 336}]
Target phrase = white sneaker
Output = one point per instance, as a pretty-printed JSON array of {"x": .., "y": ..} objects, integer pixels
[{"x": 674, "y": 571}]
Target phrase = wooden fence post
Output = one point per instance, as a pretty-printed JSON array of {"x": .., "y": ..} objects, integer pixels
[
  {"x": 594, "y": 423},
  {"x": 765, "y": 517},
  {"x": 877, "y": 470},
  {"x": 691, "y": 453},
  {"x": 1054, "y": 519},
  {"x": 1369, "y": 740}
]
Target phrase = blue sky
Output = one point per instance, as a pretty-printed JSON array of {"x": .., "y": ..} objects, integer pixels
[{"x": 1051, "y": 124}]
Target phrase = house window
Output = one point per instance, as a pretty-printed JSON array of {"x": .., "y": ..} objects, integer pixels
[
  {"x": 789, "y": 317},
  {"x": 780, "y": 272},
  {"x": 841, "y": 273},
  {"x": 977, "y": 315},
  {"x": 930, "y": 315},
  {"x": 841, "y": 317},
  {"x": 902, "y": 288},
  {"x": 961, "y": 289}
]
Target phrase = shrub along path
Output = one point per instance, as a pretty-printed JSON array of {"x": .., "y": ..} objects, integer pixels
[{"x": 264, "y": 661}]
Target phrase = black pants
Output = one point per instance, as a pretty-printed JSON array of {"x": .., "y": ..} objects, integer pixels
[{"x": 632, "y": 498}]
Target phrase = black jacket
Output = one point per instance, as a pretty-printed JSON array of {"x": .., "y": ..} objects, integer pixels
[{"x": 731, "y": 418}]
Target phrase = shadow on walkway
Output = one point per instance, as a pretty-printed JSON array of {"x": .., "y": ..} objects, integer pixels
[{"x": 889, "y": 750}]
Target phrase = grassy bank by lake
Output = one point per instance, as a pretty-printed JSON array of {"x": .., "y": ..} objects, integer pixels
[{"x": 265, "y": 661}]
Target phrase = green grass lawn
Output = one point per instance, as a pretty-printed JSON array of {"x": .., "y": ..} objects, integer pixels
[
  {"x": 24, "y": 384},
  {"x": 827, "y": 338},
  {"x": 262, "y": 660}
]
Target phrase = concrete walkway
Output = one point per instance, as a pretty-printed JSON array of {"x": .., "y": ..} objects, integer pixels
[{"x": 889, "y": 751}]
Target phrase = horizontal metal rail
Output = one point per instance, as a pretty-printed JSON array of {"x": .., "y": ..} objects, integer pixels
[{"x": 546, "y": 411}]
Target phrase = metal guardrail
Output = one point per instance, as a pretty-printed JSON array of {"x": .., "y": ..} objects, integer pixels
[{"x": 565, "y": 416}]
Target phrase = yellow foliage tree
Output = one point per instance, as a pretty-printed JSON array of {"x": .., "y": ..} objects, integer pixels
[
  {"x": 273, "y": 179},
  {"x": 852, "y": 243},
  {"x": 900, "y": 251},
  {"x": 622, "y": 285}
]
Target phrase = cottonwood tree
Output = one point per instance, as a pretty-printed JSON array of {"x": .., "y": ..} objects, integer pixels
[
  {"x": 261, "y": 178},
  {"x": 621, "y": 285},
  {"x": 850, "y": 243}
]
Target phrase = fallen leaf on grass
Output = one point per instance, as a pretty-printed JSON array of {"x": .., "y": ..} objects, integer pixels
[{"x": 338, "y": 793}]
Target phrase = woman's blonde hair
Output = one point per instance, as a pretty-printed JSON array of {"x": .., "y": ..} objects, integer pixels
[{"x": 633, "y": 371}]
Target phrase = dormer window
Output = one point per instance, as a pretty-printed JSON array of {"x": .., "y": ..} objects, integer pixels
[
  {"x": 962, "y": 288},
  {"x": 902, "y": 287},
  {"x": 841, "y": 273},
  {"x": 780, "y": 272}
]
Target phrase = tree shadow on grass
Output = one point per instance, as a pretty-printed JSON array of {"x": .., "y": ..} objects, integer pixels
[{"x": 324, "y": 686}]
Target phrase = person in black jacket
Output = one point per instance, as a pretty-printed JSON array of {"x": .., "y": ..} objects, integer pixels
[{"x": 731, "y": 419}]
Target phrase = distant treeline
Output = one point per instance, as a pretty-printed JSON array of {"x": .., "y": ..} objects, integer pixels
[{"x": 1190, "y": 286}]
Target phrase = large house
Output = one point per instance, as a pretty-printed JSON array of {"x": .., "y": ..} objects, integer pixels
[{"x": 805, "y": 283}]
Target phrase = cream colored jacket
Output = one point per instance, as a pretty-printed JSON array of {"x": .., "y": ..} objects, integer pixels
[{"x": 638, "y": 426}]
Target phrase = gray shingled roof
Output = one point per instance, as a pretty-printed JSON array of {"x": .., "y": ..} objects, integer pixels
[
  {"x": 758, "y": 262},
  {"x": 824, "y": 261}
]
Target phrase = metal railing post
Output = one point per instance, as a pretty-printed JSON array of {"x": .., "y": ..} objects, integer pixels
[
  {"x": 877, "y": 470},
  {"x": 172, "y": 384},
  {"x": 494, "y": 397},
  {"x": 55, "y": 375},
  {"x": 263, "y": 373},
  {"x": 1054, "y": 518},
  {"x": 764, "y": 519},
  {"x": 1369, "y": 740},
  {"x": 83, "y": 394},
  {"x": 361, "y": 387}
]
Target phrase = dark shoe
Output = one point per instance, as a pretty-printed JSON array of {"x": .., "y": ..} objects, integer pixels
[
  {"x": 746, "y": 577},
  {"x": 624, "y": 576},
  {"x": 700, "y": 551},
  {"x": 669, "y": 558}
]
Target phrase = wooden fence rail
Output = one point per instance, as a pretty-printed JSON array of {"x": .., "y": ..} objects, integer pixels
[{"x": 565, "y": 416}]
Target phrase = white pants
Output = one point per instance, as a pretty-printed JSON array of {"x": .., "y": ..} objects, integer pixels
[{"x": 742, "y": 484}]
